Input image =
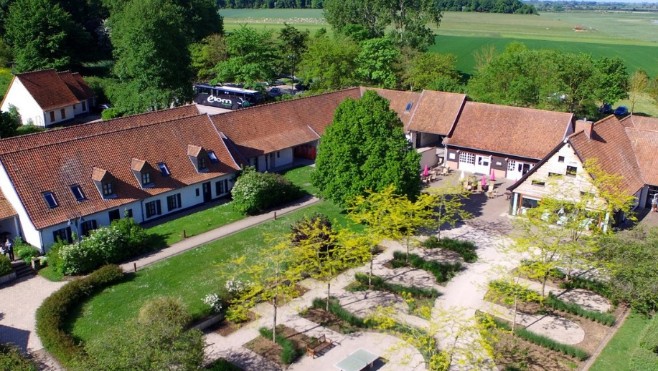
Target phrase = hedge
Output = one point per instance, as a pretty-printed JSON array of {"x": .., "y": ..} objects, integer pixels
[
  {"x": 5, "y": 265},
  {"x": 255, "y": 192},
  {"x": 543, "y": 341},
  {"x": 558, "y": 304},
  {"x": 289, "y": 351},
  {"x": 598, "y": 287},
  {"x": 378, "y": 283},
  {"x": 465, "y": 249},
  {"x": 442, "y": 271},
  {"x": 11, "y": 359},
  {"x": 54, "y": 311}
]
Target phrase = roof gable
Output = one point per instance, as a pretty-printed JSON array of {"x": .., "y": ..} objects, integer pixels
[
  {"x": 645, "y": 148},
  {"x": 404, "y": 103},
  {"x": 76, "y": 85},
  {"x": 516, "y": 131},
  {"x": 437, "y": 112}
]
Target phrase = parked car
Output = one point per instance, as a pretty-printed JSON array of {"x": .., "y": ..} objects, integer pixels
[
  {"x": 275, "y": 92},
  {"x": 621, "y": 111}
]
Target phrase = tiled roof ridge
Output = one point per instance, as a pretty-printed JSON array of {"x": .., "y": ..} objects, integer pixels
[
  {"x": 117, "y": 130},
  {"x": 87, "y": 124},
  {"x": 289, "y": 100},
  {"x": 36, "y": 71},
  {"x": 516, "y": 107},
  {"x": 594, "y": 124}
]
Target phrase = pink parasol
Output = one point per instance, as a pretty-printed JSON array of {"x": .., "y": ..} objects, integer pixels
[
  {"x": 426, "y": 172},
  {"x": 492, "y": 177},
  {"x": 483, "y": 180}
]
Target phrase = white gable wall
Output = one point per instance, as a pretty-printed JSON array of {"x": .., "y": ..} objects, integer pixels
[
  {"x": 18, "y": 96},
  {"x": 29, "y": 233}
]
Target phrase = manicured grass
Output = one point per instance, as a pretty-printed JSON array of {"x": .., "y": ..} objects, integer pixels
[
  {"x": 51, "y": 274},
  {"x": 189, "y": 276},
  {"x": 196, "y": 223},
  {"x": 644, "y": 105},
  {"x": 301, "y": 177},
  {"x": 618, "y": 354}
]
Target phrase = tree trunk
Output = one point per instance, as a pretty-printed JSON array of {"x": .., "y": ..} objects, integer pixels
[
  {"x": 543, "y": 285},
  {"x": 274, "y": 321},
  {"x": 372, "y": 259},
  {"x": 328, "y": 294},
  {"x": 514, "y": 317}
]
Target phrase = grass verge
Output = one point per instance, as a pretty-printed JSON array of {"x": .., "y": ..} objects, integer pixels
[{"x": 629, "y": 347}]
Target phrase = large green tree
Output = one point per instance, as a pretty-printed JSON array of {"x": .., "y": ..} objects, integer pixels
[
  {"x": 206, "y": 54},
  {"x": 42, "y": 35},
  {"x": 365, "y": 149},
  {"x": 292, "y": 45},
  {"x": 252, "y": 57},
  {"x": 330, "y": 63},
  {"x": 408, "y": 19},
  {"x": 377, "y": 62},
  {"x": 432, "y": 71},
  {"x": 152, "y": 56}
]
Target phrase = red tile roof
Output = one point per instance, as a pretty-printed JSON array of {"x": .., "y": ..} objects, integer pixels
[
  {"x": 94, "y": 128},
  {"x": 272, "y": 127},
  {"x": 515, "y": 131},
  {"x": 6, "y": 210},
  {"x": 645, "y": 147},
  {"x": 609, "y": 144},
  {"x": 437, "y": 112},
  {"x": 640, "y": 122},
  {"x": 399, "y": 101},
  {"x": 76, "y": 160},
  {"x": 77, "y": 85},
  {"x": 48, "y": 89}
]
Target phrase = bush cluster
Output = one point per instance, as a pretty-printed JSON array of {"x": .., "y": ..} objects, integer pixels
[
  {"x": 255, "y": 192},
  {"x": 558, "y": 304},
  {"x": 442, "y": 271},
  {"x": 543, "y": 341},
  {"x": 508, "y": 290},
  {"x": 53, "y": 312},
  {"x": 12, "y": 359},
  {"x": 598, "y": 287},
  {"x": 5, "y": 265},
  {"x": 465, "y": 249},
  {"x": 24, "y": 251},
  {"x": 337, "y": 310},
  {"x": 379, "y": 283},
  {"x": 121, "y": 240},
  {"x": 289, "y": 351}
]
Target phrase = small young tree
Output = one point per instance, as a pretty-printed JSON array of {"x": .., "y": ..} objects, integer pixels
[
  {"x": 267, "y": 280},
  {"x": 449, "y": 206},
  {"x": 638, "y": 84}
]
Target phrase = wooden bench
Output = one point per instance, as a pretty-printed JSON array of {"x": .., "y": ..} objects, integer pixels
[{"x": 317, "y": 345}]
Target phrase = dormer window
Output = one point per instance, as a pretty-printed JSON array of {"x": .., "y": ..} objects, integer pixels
[
  {"x": 142, "y": 172},
  {"x": 77, "y": 193},
  {"x": 104, "y": 182},
  {"x": 199, "y": 157},
  {"x": 50, "y": 199},
  {"x": 213, "y": 157}
]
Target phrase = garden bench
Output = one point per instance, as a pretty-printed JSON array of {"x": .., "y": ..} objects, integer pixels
[{"x": 317, "y": 345}]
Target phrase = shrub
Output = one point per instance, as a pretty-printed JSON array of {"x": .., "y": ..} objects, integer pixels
[
  {"x": 54, "y": 257},
  {"x": 12, "y": 359},
  {"x": 256, "y": 192},
  {"x": 558, "y": 304},
  {"x": 442, "y": 271},
  {"x": 5, "y": 265},
  {"x": 508, "y": 290},
  {"x": 543, "y": 341},
  {"x": 465, "y": 249},
  {"x": 121, "y": 240},
  {"x": 598, "y": 287},
  {"x": 289, "y": 351},
  {"x": 379, "y": 283},
  {"x": 25, "y": 251},
  {"x": 54, "y": 311},
  {"x": 337, "y": 310},
  {"x": 222, "y": 365}
]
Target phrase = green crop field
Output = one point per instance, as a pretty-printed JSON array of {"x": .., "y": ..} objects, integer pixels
[{"x": 631, "y": 36}]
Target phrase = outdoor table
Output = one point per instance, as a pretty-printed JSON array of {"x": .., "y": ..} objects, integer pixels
[{"x": 357, "y": 361}]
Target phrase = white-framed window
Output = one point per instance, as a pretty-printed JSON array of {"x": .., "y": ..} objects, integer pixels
[
  {"x": 467, "y": 157},
  {"x": 511, "y": 165}
]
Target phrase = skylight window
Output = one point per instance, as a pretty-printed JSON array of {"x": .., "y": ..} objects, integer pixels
[
  {"x": 408, "y": 107},
  {"x": 213, "y": 157},
  {"x": 77, "y": 192},
  {"x": 50, "y": 199},
  {"x": 164, "y": 169}
]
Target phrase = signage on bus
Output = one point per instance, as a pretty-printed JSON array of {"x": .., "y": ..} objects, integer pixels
[{"x": 225, "y": 101}]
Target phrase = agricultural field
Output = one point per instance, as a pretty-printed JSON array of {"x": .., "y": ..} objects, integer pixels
[{"x": 631, "y": 36}]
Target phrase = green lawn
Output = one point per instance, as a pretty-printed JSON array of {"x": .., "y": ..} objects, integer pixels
[
  {"x": 189, "y": 276},
  {"x": 620, "y": 350},
  {"x": 301, "y": 176},
  {"x": 645, "y": 105},
  {"x": 5, "y": 79}
]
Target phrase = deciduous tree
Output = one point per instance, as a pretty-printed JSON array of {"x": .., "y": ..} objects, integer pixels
[
  {"x": 449, "y": 206},
  {"x": 252, "y": 57},
  {"x": 206, "y": 54},
  {"x": 365, "y": 149},
  {"x": 330, "y": 63},
  {"x": 432, "y": 71},
  {"x": 638, "y": 85},
  {"x": 292, "y": 45},
  {"x": 377, "y": 62}
]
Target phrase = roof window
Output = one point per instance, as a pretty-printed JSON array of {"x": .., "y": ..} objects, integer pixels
[
  {"x": 50, "y": 199},
  {"x": 77, "y": 192},
  {"x": 164, "y": 169},
  {"x": 213, "y": 157},
  {"x": 408, "y": 107}
]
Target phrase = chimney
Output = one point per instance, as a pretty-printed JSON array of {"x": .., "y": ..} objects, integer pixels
[{"x": 589, "y": 126}]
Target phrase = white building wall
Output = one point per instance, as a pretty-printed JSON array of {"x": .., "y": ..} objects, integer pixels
[
  {"x": 18, "y": 96},
  {"x": 69, "y": 113},
  {"x": 29, "y": 233},
  {"x": 283, "y": 157}
]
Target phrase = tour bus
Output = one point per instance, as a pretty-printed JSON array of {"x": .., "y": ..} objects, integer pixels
[{"x": 224, "y": 96}]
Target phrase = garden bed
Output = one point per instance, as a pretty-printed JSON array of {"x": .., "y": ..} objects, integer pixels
[
  {"x": 227, "y": 327},
  {"x": 288, "y": 340},
  {"x": 328, "y": 320},
  {"x": 513, "y": 353}
]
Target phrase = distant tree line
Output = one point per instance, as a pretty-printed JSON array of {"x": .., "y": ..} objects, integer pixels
[
  {"x": 270, "y": 4},
  {"x": 487, "y": 6}
]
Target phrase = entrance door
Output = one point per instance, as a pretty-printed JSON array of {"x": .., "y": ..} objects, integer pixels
[
  {"x": 207, "y": 192},
  {"x": 525, "y": 168},
  {"x": 482, "y": 164}
]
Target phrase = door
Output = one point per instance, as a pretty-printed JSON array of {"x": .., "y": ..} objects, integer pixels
[
  {"x": 207, "y": 192},
  {"x": 482, "y": 164}
]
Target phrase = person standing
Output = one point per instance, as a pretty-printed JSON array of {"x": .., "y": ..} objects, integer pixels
[
  {"x": 654, "y": 203},
  {"x": 9, "y": 247}
]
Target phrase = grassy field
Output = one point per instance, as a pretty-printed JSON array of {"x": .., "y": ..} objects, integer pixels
[
  {"x": 189, "y": 276},
  {"x": 5, "y": 79},
  {"x": 619, "y": 351}
]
